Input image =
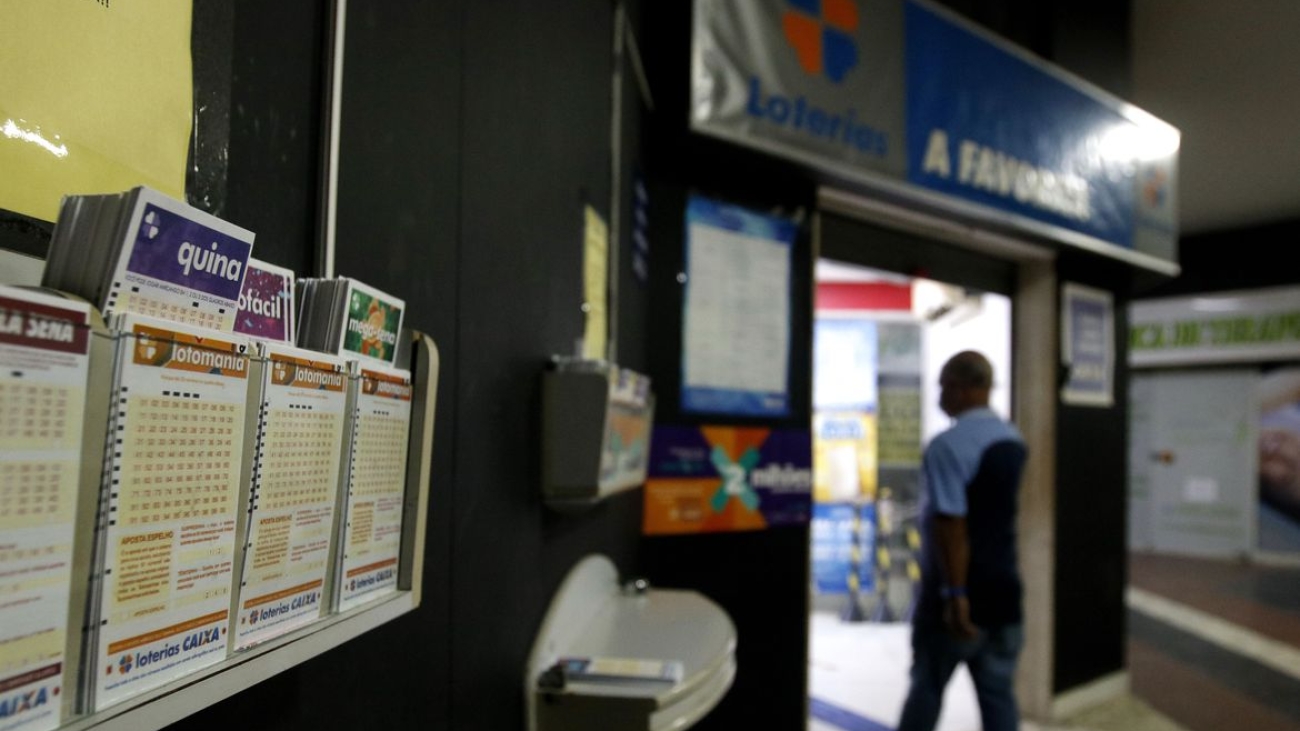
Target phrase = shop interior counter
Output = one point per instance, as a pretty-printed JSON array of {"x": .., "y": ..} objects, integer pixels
[{"x": 593, "y": 622}]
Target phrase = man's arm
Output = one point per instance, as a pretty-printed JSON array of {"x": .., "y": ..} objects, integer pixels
[{"x": 954, "y": 560}]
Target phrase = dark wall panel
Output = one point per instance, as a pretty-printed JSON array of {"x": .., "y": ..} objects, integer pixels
[
  {"x": 633, "y": 289},
  {"x": 211, "y": 52},
  {"x": 1239, "y": 258},
  {"x": 1092, "y": 38},
  {"x": 1092, "y": 510},
  {"x": 535, "y": 151},
  {"x": 398, "y": 221},
  {"x": 24, "y": 234},
  {"x": 1091, "y": 549},
  {"x": 760, "y": 579},
  {"x": 275, "y": 127}
]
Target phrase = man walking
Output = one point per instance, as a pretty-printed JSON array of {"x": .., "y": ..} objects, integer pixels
[{"x": 969, "y": 609}]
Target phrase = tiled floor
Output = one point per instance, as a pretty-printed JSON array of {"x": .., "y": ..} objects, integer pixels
[
  {"x": 1265, "y": 599},
  {"x": 862, "y": 668},
  {"x": 1213, "y": 646}
]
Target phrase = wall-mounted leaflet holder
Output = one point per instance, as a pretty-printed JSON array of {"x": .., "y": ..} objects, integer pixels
[
  {"x": 596, "y": 424},
  {"x": 626, "y": 656},
  {"x": 103, "y": 421}
]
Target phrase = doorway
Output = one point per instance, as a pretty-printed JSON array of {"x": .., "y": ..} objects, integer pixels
[
  {"x": 880, "y": 339},
  {"x": 872, "y": 233}
]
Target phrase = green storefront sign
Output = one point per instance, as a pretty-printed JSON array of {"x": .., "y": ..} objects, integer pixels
[{"x": 1259, "y": 325}]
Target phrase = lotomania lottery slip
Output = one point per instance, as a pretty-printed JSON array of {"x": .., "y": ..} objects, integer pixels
[
  {"x": 293, "y": 493},
  {"x": 176, "y": 447},
  {"x": 376, "y": 486}
]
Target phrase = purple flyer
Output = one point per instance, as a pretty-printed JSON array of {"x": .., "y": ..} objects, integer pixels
[
  {"x": 174, "y": 249},
  {"x": 266, "y": 303},
  {"x": 705, "y": 479}
]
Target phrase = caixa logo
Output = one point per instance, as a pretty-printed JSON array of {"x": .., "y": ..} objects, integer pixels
[
  {"x": 23, "y": 702},
  {"x": 821, "y": 33},
  {"x": 124, "y": 665}
]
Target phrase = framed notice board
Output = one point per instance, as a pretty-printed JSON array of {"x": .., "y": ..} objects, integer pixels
[{"x": 736, "y": 317}]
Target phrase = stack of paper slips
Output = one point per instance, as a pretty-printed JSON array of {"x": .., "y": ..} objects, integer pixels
[
  {"x": 349, "y": 318},
  {"x": 142, "y": 252}
]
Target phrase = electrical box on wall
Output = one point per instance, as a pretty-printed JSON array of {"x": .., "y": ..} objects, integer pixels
[{"x": 596, "y": 423}]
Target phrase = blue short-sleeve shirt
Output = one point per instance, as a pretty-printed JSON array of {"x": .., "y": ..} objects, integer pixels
[
  {"x": 953, "y": 457},
  {"x": 951, "y": 465}
]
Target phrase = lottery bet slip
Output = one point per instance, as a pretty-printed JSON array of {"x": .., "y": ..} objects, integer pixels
[
  {"x": 169, "y": 507},
  {"x": 293, "y": 492},
  {"x": 47, "y": 500},
  {"x": 144, "y": 252},
  {"x": 371, "y": 540}
]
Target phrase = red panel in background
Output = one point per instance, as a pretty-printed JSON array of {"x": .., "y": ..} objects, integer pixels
[{"x": 863, "y": 296}]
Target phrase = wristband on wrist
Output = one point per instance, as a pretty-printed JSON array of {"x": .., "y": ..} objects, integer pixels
[{"x": 952, "y": 592}]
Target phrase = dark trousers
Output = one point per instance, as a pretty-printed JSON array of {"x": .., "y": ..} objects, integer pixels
[{"x": 991, "y": 659}]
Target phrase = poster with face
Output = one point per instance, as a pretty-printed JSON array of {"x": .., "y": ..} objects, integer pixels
[{"x": 1279, "y": 461}]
